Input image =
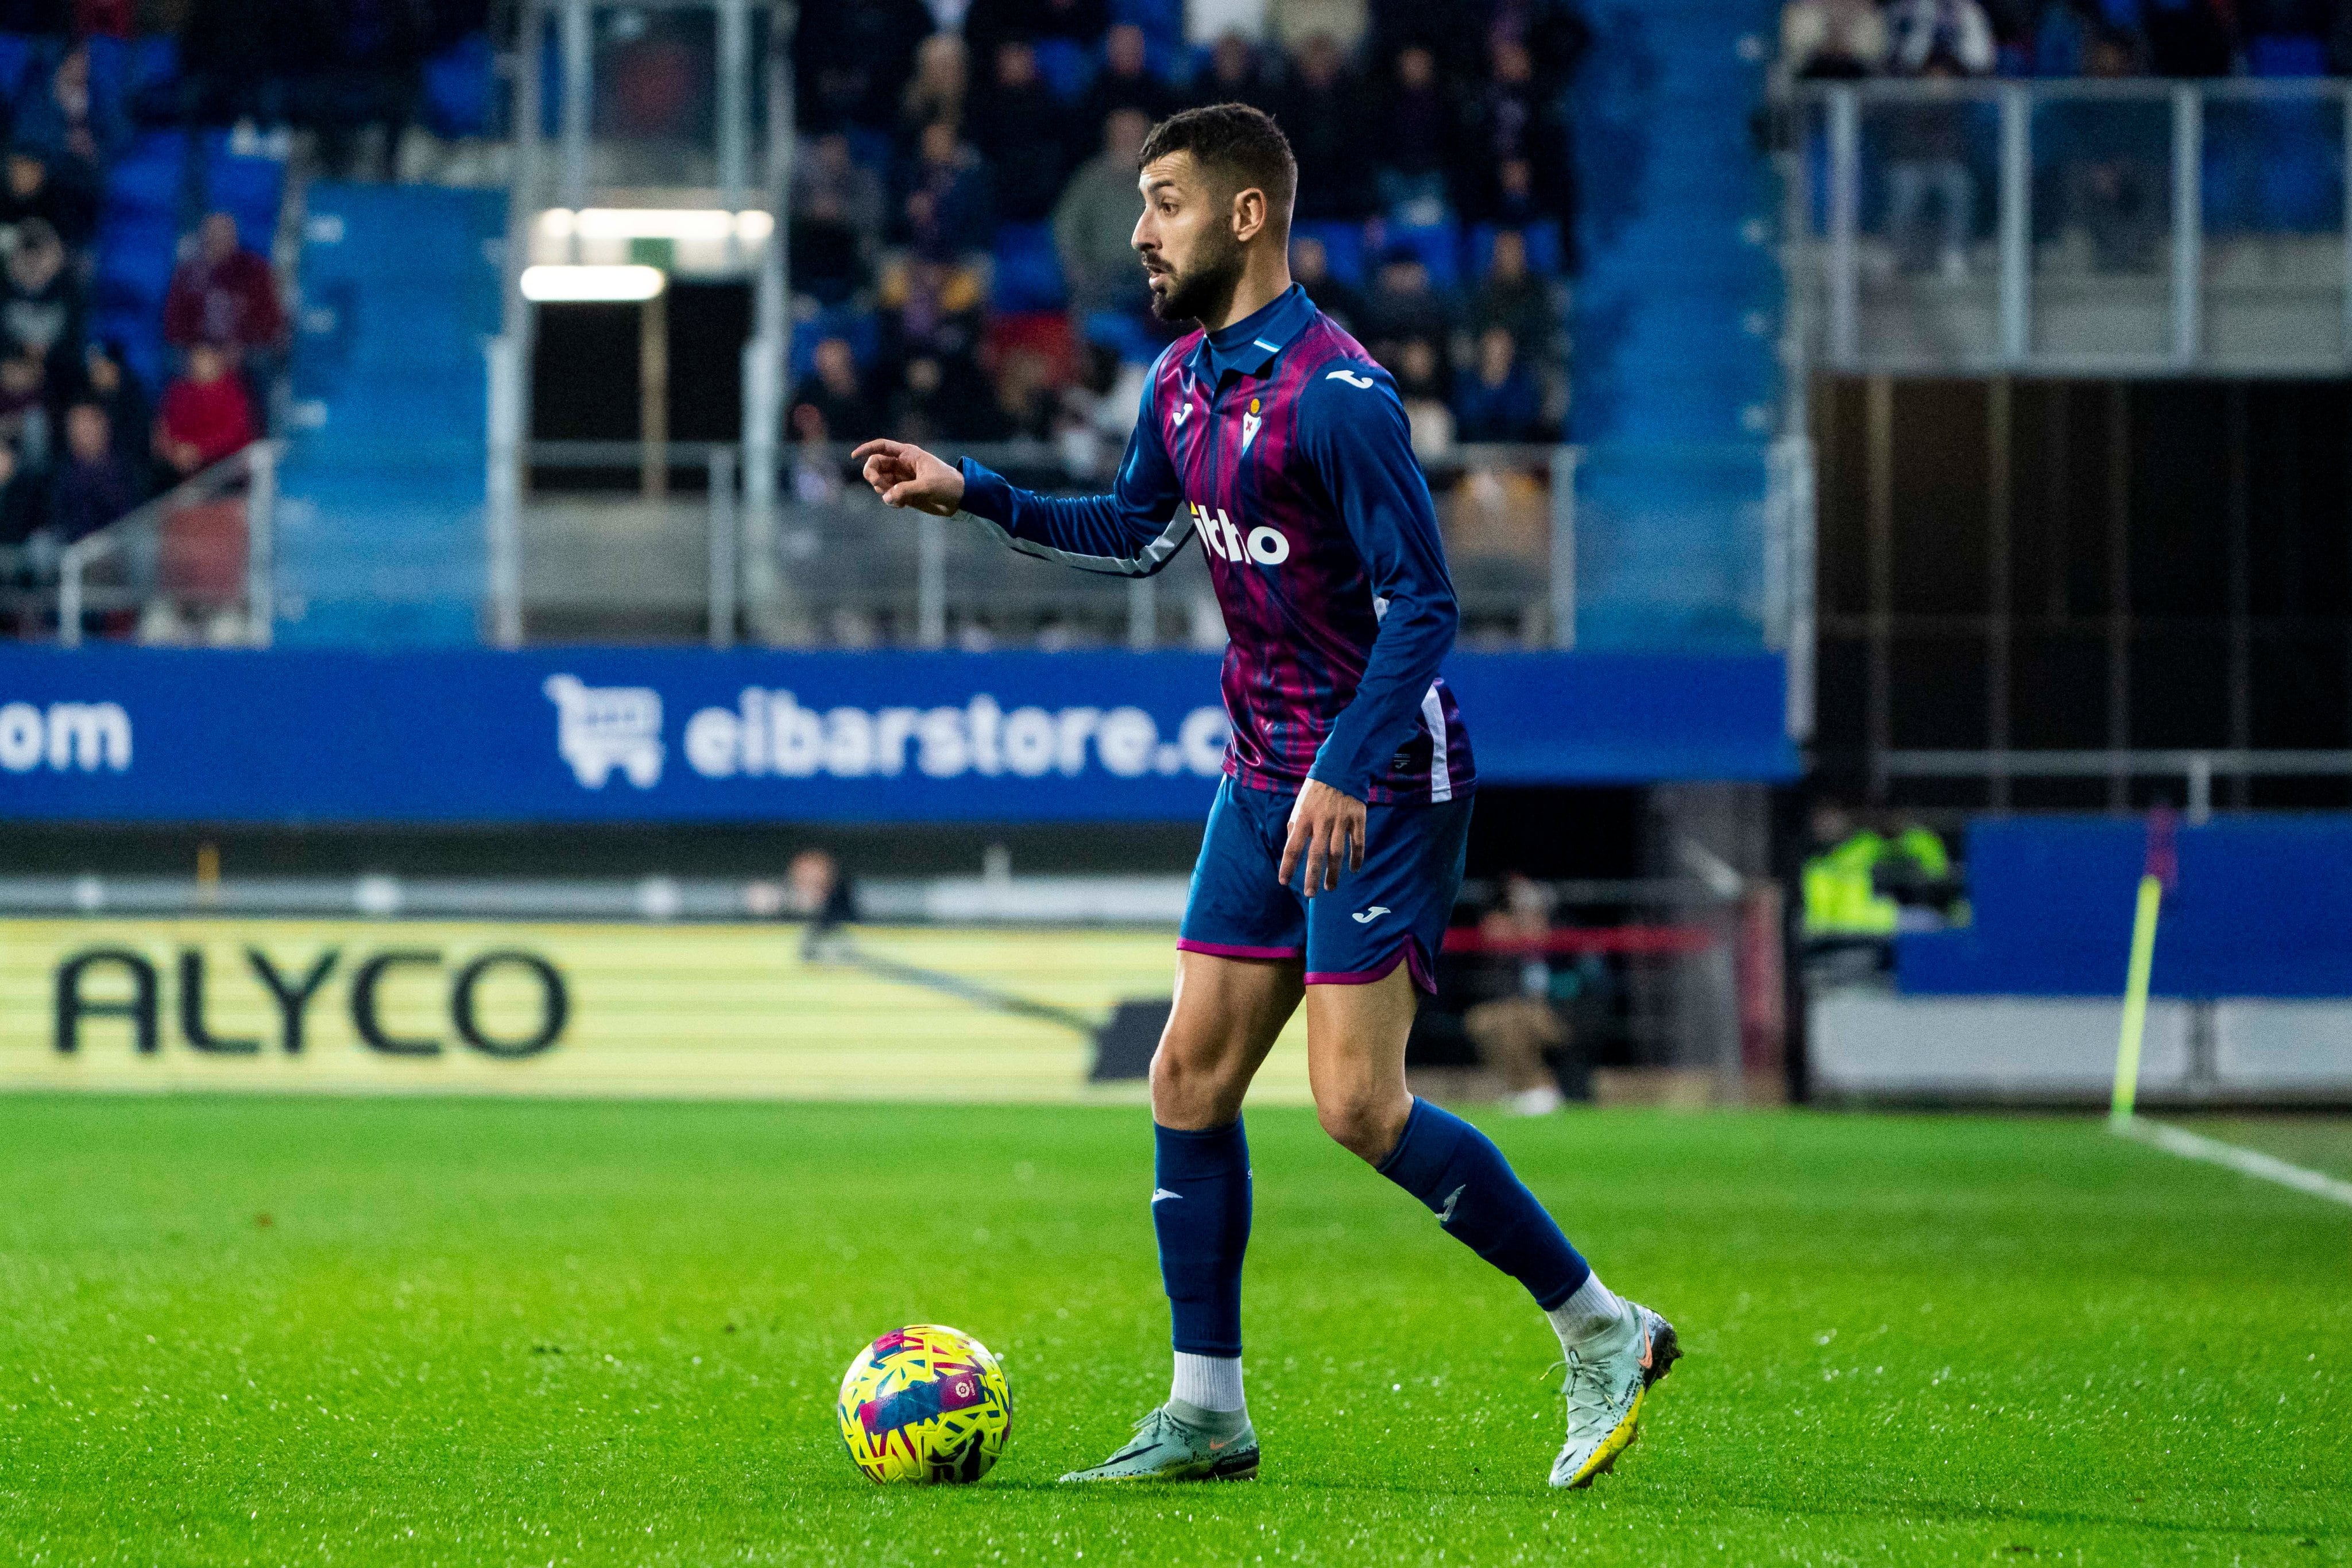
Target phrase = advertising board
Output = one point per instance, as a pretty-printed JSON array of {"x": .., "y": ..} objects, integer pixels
[
  {"x": 656, "y": 1011},
  {"x": 690, "y": 735}
]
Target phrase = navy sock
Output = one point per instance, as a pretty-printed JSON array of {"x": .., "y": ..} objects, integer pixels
[
  {"x": 1200, "y": 1208},
  {"x": 1458, "y": 1171}
]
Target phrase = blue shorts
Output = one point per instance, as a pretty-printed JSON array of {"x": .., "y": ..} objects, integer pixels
[{"x": 1395, "y": 908}]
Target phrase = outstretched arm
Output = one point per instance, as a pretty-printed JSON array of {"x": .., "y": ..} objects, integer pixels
[{"x": 1132, "y": 531}]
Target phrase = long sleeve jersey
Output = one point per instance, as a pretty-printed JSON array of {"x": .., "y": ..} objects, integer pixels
[{"x": 1280, "y": 444}]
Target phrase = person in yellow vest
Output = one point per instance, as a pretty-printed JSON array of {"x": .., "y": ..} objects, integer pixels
[{"x": 1840, "y": 883}]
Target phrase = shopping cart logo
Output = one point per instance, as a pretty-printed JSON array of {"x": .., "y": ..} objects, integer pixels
[{"x": 600, "y": 729}]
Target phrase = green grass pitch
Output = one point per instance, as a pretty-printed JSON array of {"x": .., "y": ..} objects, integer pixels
[{"x": 350, "y": 1332}]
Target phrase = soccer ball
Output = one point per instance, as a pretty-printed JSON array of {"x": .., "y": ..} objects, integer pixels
[{"x": 925, "y": 1404}]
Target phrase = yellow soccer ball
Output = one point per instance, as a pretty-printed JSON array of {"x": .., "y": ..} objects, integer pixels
[{"x": 925, "y": 1404}]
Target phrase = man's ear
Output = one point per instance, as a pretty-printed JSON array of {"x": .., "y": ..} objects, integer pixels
[{"x": 1249, "y": 214}]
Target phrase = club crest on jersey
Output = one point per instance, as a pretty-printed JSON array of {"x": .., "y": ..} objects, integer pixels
[
  {"x": 1220, "y": 538},
  {"x": 1250, "y": 422}
]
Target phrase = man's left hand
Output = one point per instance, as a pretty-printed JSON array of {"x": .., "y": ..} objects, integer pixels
[{"x": 1327, "y": 830}]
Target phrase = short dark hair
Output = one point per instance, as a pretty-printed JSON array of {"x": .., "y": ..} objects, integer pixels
[{"x": 1233, "y": 142}]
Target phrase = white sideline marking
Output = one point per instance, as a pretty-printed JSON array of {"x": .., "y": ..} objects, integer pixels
[{"x": 2246, "y": 1162}]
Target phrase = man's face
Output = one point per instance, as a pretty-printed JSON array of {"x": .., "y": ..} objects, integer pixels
[
  {"x": 1191, "y": 258},
  {"x": 220, "y": 237}
]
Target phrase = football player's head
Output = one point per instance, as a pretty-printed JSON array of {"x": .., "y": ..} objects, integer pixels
[{"x": 1217, "y": 185}]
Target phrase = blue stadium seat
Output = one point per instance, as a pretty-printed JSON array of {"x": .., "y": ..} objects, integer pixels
[
  {"x": 457, "y": 88},
  {"x": 16, "y": 52},
  {"x": 861, "y": 330},
  {"x": 1028, "y": 271},
  {"x": 2285, "y": 55},
  {"x": 1067, "y": 67},
  {"x": 1123, "y": 335},
  {"x": 1439, "y": 246},
  {"x": 147, "y": 180},
  {"x": 1343, "y": 247},
  {"x": 109, "y": 68},
  {"x": 1545, "y": 255},
  {"x": 248, "y": 187},
  {"x": 1162, "y": 21}
]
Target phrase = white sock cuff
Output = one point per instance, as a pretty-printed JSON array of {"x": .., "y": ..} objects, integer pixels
[
  {"x": 1212, "y": 1382},
  {"x": 1589, "y": 1309}
]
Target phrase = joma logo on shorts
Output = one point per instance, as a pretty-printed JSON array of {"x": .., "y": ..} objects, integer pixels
[{"x": 1265, "y": 546}]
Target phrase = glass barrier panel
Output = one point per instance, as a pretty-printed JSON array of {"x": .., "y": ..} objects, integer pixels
[
  {"x": 1928, "y": 274},
  {"x": 2273, "y": 185},
  {"x": 2102, "y": 229}
]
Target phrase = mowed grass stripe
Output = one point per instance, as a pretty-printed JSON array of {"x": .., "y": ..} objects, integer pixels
[{"x": 609, "y": 1334}]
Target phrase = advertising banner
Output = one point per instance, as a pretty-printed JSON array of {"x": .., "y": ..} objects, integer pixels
[
  {"x": 646, "y": 1011},
  {"x": 691, "y": 735}
]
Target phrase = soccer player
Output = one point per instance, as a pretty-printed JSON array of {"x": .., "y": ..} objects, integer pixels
[{"x": 1334, "y": 850}]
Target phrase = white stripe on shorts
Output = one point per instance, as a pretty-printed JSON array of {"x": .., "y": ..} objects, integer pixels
[{"x": 1441, "y": 773}]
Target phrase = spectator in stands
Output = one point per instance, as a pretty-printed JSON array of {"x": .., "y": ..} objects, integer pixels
[
  {"x": 1124, "y": 82},
  {"x": 25, "y": 409},
  {"x": 41, "y": 304},
  {"x": 1512, "y": 297},
  {"x": 836, "y": 393},
  {"x": 94, "y": 485},
  {"x": 24, "y": 508},
  {"x": 1927, "y": 151},
  {"x": 989, "y": 23},
  {"x": 932, "y": 309},
  {"x": 1403, "y": 306},
  {"x": 837, "y": 220},
  {"x": 1948, "y": 37},
  {"x": 71, "y": 119},
  {"x": 1322, "y": 109},
  {"x": 936, "y": 93},
  {"x": 1297, "y": 23},
  {"x": 205, "y": 415},
  {"x": 365, "y": 89},
  {"x": 1025, "y": 399},
  {"x": 1416, "y": 140},
  {"x": 1233, "y": 75},
  {"x": 224, "y": 295},
  {"x": 2115, "y": 190},
  {"x": 102, "y": 18},
  {"x": 1310, "y": 268},
  {"x": 1094, "y": 224},
  {"x": 1515, "y": 122},
  {"x": 1499, "y": 401},
  {"x": 1419, "y": 372},
  {"x": 851, "y": 59},
  {"x": 948, "y": 209},
  {"x": 1831, "y": 40},
  {"x": 1020, "y": 127},
  {"x": 109, "y": 382},
  {"x": 29, "y": 190}
]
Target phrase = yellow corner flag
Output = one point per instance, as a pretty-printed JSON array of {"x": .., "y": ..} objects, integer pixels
[{"x": 2162, "y": 867}]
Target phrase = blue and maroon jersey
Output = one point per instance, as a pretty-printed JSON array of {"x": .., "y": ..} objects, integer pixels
[{"x": 1280, "y": 444}]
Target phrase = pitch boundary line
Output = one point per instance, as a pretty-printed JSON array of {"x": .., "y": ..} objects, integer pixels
[{"x": 2245, "y": 1162}]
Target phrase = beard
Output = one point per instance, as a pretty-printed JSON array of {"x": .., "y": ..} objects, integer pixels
[{"x": 1207, "y": 288}]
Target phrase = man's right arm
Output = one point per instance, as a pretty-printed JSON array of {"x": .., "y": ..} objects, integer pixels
[{"x": 1133, "y": 530}]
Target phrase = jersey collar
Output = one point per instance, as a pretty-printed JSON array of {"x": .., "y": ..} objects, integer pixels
[{"x": 1249, "y": 344}]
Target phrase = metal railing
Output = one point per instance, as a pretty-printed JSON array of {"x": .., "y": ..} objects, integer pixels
[
  {"x": 2197, "y": 768},
  {"x": 194, "y": 563},
  {"x": 2137, "y": 227},
  {"x": 837, "y": 568}
]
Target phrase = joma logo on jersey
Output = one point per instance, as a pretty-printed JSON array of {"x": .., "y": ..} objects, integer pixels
[{"x": 1265, "y": 546}]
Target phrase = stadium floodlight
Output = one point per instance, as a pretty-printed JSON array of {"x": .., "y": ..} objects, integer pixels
[{"x": 583, "y": 285}]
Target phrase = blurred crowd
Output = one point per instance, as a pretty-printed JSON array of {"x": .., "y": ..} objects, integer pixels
[
  {"x": 1836, "y": 40},
  {"x": 965, "y": 197}
]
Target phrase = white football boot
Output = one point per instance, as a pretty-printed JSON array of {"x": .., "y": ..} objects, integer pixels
[{"x": 1606, "y": 1383}]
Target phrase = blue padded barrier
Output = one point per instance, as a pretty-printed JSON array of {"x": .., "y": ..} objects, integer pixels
[{"x": 2262, "y": 907}]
